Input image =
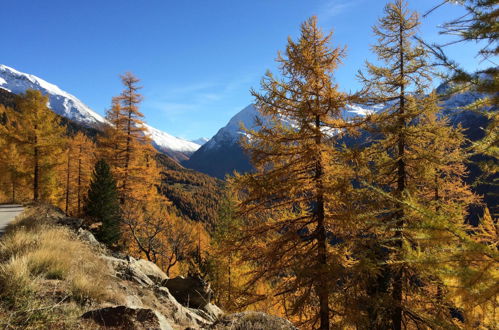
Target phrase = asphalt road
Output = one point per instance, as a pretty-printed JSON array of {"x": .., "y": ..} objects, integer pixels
[{"x": 7, "y": 213}]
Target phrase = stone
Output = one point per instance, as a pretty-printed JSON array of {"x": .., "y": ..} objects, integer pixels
[
  {"x": 178, "y": 312},
  {"x": 150, "y": 269},
  {"x": 88, "y": 237},
  {"x": 121, "y": 268},
  {"x": 128, "y": 318},
  {"x": 213, "y": 311},
  {"x": 191, "y": 291}
]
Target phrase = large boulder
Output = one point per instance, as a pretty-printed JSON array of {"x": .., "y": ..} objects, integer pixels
[
  {"x": 123, "y": 317},
  {"x": 191, "y": 291},
  {"x": 180, "y": 314},
  {"x": 150, "y": 269},
  {"x": 141, "y": 271},
  {"x": 121, "y": 269},
  {"x": 252, "y": 321}
]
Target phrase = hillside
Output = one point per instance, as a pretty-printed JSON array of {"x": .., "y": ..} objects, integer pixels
[
  {"x": 194, "y": 194},
  {"x": 54, "y": 274}
]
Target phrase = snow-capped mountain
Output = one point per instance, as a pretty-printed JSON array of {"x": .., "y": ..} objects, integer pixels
[
  {"x": 173, "y": 146},
  {"x": 61, "y": 102},
  {"x": 72, "y": 108},
  {"x": 222, "y": 154}
]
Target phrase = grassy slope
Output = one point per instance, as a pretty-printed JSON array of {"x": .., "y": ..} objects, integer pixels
[{"x": 47, "y": 276}]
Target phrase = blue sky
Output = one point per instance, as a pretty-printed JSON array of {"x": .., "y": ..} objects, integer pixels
[{"x": 197, "y": 59}]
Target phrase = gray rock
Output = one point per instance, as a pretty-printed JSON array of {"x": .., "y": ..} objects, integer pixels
[
  {"x": 150, "y": 269},
  {"x": 128, "y": 318},
  {"x": 213, "y": 311},
  {"x": 191, "y": 291},
  {"x": 88, "y": 237},
  {"x": 179, "y": 313},
  {"x": 125, "y": 269}
]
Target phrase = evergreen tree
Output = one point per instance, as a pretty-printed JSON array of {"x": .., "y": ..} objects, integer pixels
[
  {"x": 479, "y": 25},
  {"x": 78, "y": 171},
  {"x": 102, "y": 204},
  {"x": 292, "y": 202},
  {"x": 417, "y": 169}
]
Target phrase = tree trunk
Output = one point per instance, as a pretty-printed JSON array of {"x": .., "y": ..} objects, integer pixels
[
  {"x": 67, "y": 183},
  {"x": 127, "y": 155},
  {"x": 322, "y": 287},
  {"x": 79, "y": 182},
  {"x": 13, "y": 192},
  {"x": 401, "y": 178},
  {"x": 36, "y": 171}
]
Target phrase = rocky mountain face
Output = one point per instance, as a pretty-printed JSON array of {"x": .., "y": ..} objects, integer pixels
[
  {"x": 71, "y": 108},
  {"x": 222, "y": 154}
]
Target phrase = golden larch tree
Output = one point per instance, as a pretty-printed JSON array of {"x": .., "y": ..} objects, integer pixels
[
  {"x": 417, "y": 169},
  {"x": 39, "y": 136},
  {"x": 291, "y": 205}
]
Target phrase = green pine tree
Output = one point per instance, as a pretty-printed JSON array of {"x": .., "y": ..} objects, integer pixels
[{"x": 102, "y": 204}]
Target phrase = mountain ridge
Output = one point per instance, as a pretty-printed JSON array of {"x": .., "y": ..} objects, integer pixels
[{"x": 70, "y": 107}]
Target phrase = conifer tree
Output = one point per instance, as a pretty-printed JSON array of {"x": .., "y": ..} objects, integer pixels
[
  {"x": 130, "y": 119},
  {"x": 478, "y": 25},
  {"x": 12, "y": 162},
  {"x": 417, "y": 168},
  {"x": 79, "y": 166},
  {"x": 102, "y": 204},
  {"x": 291, "y": 204},
  {"x": 126, "y": 146},
  {"x": 39, "y": 135}
]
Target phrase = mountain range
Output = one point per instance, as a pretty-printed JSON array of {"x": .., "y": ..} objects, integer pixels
[
  {"x": 70, "y": 107},
  {"x": 222, "y": 154}
]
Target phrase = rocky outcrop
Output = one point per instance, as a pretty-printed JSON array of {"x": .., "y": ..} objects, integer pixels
[
  {"x": 191, "y": 291},
  {"x": 137, "y": 294}
]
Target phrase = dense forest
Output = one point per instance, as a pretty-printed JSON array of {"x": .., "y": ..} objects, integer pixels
[{"x": 372, "y": 222}]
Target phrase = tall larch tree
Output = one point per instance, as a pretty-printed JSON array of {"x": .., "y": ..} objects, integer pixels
[
  {"x": 291, "y": 205},
  {"x": 131, "y": 121},
  {"x": 406, "y": 72},
  {"x": 12, "y": 161},
  {"x": 40, "y": 136},
  {"x": 417, "y": 164},
  {"x": 127, "y": 148},
  {"x": 478, "y": 26},
  {"x": 81, "y": 154},
  {"x": 112, "y": 141}
]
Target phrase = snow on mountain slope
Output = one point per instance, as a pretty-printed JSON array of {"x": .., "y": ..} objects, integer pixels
[
  {"x": 232, "y": 131},
  {"x": 222, "y": 154},
  {"x": 164, "y": 140},
  {"x": 72, "y": 108},
  {"x": 60, "y": 101}
]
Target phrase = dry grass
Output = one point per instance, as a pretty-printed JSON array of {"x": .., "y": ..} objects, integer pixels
[{"x": 33, "y": 252}]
